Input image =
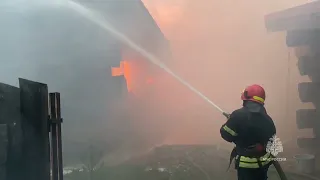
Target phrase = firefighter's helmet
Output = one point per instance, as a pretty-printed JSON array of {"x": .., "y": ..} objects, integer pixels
[{"x": 254, "y": 93}]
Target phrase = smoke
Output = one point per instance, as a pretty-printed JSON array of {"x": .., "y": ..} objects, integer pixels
[{"x": 218, "y": 46}]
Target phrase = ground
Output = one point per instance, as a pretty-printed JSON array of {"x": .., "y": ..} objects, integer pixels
[{"x": 175, "y": 163}]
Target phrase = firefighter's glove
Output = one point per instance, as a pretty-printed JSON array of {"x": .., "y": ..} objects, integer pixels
[{"x": 227, "y": 115}]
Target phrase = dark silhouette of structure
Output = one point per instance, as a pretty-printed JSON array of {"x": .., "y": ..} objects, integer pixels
[
  {"x": 55, "y": 121},
  {"x": 75, "y": 57},
  {"x": 24, "y": 132},
  {"x": 302, "y": 25}
]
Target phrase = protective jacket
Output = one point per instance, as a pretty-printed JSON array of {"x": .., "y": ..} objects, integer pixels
[{"x": 249, "y": 128}]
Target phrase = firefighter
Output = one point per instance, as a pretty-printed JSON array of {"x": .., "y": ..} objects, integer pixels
[{"x": 250, "y": 129}]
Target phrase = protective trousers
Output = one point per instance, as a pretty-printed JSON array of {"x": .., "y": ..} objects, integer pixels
[{"x": 253, "y": 174}]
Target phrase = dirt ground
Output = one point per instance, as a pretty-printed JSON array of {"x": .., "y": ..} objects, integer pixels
[
  {"x": 180, "y": 162},
  {"x": 204, "y": 162}
]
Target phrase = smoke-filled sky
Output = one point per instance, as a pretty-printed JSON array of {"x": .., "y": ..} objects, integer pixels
[
  {"x": 223, "y": 46},
  {"x": 218, "y": 46}
]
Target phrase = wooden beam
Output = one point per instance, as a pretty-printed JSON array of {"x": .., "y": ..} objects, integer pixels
[
  {"x": 310, "y": 143},
  {"x": 309, "y": 92},
  {"x": 296, "y": 38},
  {"x": 301, "y": 17},
  {"x": 306, "y": 118},
  {"x": 56, "y": 143}
]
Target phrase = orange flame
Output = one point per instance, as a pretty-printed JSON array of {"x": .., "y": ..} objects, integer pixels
[
  {"x": 129, "y": 71},
  {"x": 123, "y": 70},
  {"x": 116, "y": 71}
]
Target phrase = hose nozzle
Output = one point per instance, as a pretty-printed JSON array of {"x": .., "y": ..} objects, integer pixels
[{"x": 227, "y": 115}]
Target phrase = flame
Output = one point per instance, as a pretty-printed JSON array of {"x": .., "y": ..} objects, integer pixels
[
  {"x": 116, "y": 71},
  {"x": 133, "y": 74},
  {"x": 127, "y": 73},
  {"x": 124, "y": 70}
]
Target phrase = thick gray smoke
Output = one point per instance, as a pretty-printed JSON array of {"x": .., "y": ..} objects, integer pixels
[
  {"x": 220, "y": 47},
  {"x": 46, "y": 42}
]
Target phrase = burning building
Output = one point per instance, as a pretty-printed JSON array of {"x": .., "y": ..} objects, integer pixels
[
  {"x": 302, "y": 26},
  {"x": 92, "y": 68}
]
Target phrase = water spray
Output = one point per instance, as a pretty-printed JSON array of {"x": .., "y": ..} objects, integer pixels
[{"x": 103, "y": 23}]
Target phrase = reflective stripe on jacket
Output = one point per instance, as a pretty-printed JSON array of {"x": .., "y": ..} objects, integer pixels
[
  {"x": 229, "y": 130},
  {"x": 246, "y": 162}
]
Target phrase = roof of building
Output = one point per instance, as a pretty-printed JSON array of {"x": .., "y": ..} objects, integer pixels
[
  {"x": 301, "y": 17},
  {"x": 56, "y": 45},
  {"x": 132, "y": 19}
]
